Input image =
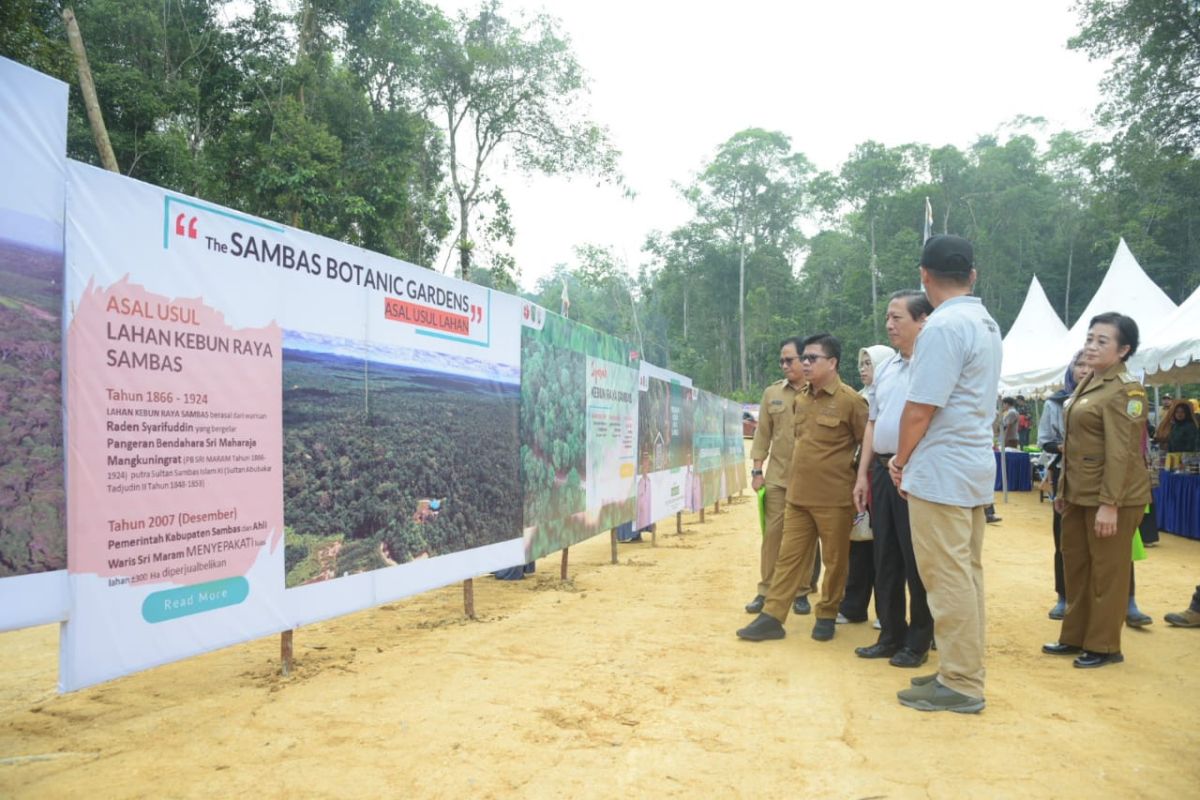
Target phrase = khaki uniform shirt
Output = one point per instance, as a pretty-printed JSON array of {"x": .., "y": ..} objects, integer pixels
[
  {"x": 775, "y": 433},
  {"x": 1102, "y": 449},
  {"x": 829, "y": 425}
]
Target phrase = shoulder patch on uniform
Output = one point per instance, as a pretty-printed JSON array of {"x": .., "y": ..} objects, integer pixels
[
  {"x": 1134, "y": 408},
  {"x": 1135, "y": 391},
  {"x": 1127, "y": 378}
]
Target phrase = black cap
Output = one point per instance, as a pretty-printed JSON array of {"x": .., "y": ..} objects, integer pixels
[{"x": 952, "y": 254}]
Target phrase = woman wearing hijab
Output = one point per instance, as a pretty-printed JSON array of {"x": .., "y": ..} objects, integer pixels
[
  {"x": 1103, "y": 491},
  {"x": 860, "y": 580}
]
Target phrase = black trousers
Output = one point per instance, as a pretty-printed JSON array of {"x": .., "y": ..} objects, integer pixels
[
  {"x": 896, "y": 568},
  {"x": 1195, "y": 605},
  {"x": 860, "y": 580}
]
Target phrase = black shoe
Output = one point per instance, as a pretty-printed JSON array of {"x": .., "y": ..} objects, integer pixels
[
  {"x": 993, "y": 518},
  {"x": 908, "y": 658},
  {"x": 1088, "y": 660},
  {"x": 755, "y": 606},
  {"x": 1058, "y": 649},
  {"x": 823, "y": 630},
  {"x": 802, "y": 606},
  {"x": 764, "y": 627},
  {"x": 877, "y": 650}
]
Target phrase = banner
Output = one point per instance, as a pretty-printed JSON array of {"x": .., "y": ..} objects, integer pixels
[
  {"x": 665, "y": 418},
  {"x": 735, "y": 452},
  {"x": 579, "y": 416},
  {"x": 268, "y": 428},
  {"x": 708, "y": 448},
  {"x": 33, "y": 536}
]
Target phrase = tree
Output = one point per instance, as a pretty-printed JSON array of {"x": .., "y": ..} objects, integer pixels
[
  {"x": 501, "y": 86},
  {"x": 752, "y": 192},
  {"x": 1153, "y": 85}
]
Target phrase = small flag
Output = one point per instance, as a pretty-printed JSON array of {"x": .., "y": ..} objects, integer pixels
[{"x": 928, "y": 221}]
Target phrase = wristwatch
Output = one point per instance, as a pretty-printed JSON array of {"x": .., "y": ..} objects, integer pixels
[{"x": 756, "y": 473}]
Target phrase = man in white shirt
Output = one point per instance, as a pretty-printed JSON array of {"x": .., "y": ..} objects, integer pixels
[{"x": 905, "y": 642}]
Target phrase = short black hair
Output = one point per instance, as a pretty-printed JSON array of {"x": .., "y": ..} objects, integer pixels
[
  {"x": 827, "y": 342},
  {"x": 795, "y": 341},
  {"x": 1127, "y": 329},
  {"x": 916, "y": 301},
  {"x": 1008, "y": 401}
]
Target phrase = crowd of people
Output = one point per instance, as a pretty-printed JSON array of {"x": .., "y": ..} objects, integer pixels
[{"x": 915, "y": 450}]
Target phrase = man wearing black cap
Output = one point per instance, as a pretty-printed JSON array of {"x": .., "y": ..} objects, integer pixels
[{"x": 944, "y": 465}]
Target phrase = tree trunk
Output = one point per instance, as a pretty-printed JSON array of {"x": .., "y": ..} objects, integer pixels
[
  {"x": 464, "y": 242},
  {"x": 88, "y": 89},
  {"x": 874, "y": 289},
  {"x": 742, "y": 310},
  {"x": 1067, "y": 298}
]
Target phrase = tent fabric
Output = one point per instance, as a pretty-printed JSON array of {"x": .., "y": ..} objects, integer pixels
[
  {"x": 1172, "y": 353},
  {"x": 1024, "y": 347},
  {"x": 1126, "y": 288}
]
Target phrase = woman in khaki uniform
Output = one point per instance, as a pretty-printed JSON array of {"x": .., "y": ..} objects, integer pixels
[{"x": 1103, "y": 492}]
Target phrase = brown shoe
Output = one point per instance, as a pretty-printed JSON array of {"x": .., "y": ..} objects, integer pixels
[{"x": 1188, "y": 618}]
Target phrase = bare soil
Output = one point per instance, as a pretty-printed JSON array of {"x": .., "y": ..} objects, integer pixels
[{"x": 626, "y": 680}]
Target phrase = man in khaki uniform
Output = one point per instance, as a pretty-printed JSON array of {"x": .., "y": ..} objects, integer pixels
[
  {"x": 830, "y": 418},
  {"x": 774, "y": 436}
]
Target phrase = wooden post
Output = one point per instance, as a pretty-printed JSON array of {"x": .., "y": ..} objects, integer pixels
[
  {"x": 702, "y": 514},
  {"x": 612, "y": 539},
  {"x": 679, "y": 522},
  {"x": 88, "y": 89},
  {"x": 654, "y": 535},
  {"x": 469, "y": 598},
  {"x": 562, "y": 571},
  {"x": 716, "y": 506},
  {"x": 285, "y": 653}
]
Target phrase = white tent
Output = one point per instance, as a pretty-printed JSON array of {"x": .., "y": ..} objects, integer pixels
[
  {"x": 1036, "y": 326},
  {"x": 1172, "y": 353},
  {"x": 1126, "y": 288}
]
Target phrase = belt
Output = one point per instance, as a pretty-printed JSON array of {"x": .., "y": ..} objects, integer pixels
[{"x": 884, "y": 458}]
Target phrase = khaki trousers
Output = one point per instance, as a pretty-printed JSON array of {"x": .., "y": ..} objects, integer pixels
[
  {"x": 1097, "y": 578},
  {"x": 774, "y": 502},
  {"x": 803, "y": 526},
  {"x": 948, "y": 545}
]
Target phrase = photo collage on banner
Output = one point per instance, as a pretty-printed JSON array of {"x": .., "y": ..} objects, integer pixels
[
  {"x": 708, "y": 450},
  {"x": 268, "y": 427},
  {"x": 735, "y": 453},
  {"x": 33, "y": 529},
  {"x": 665, "y": 419},
  {"x": 578, "y": 431}
]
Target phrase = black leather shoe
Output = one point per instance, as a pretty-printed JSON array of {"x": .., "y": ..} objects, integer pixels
[
  {"x": 755, "y": 606},
  {"x": 877, "y": 650},
  {"x": 1088, "y": 660},
  {"x": 993, "y": 519},
  {"x": 802, "y": 606},
  {"x": 1058, "y": 649},
  {"x": 824, "y": 629},
  {"x": 908, "y": 658},
  {"x": 764, "y": 627}
]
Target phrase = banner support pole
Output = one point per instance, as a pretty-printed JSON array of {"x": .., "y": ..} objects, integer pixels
[
  {"x": 612, "y": 540},
  {"x": 285, "y": 652},
  {"x": 469, "y": 598},
  {"x": 679, "y": 522},
  {"x": 562, "y": 571}
]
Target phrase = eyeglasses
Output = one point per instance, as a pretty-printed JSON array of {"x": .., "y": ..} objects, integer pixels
[
  {"x": 809, "y": 358},
  {"x": 786, "y": 360}
]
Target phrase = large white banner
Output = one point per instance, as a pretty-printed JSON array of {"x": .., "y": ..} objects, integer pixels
[
  {"x": 33, "y": 535},
  {"x": 665, "y": 419},
  {"x": 268, "y": 428}
]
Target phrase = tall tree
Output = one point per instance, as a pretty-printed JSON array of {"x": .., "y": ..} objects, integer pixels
[
  {"x": 501, "y": 86},
  {"x": 1153, "y": 86},
  {"x": 753, "y": 191}
]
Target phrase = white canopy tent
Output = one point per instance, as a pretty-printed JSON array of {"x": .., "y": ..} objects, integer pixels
[
  {"x": 1126, "y": 288},
  {"x": 1036, "y": 326},
  {"x": 1172, "y": 353}
]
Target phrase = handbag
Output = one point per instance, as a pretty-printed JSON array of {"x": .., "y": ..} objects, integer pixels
[{"x": 860, "y": 531}]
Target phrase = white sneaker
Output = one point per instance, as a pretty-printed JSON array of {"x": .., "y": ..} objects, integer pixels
[
  {"x": 877, "y": 625},
  {"x": 841, "y": 619}
]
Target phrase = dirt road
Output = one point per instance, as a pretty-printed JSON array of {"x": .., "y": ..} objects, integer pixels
[{"x": 625, "y": 682}]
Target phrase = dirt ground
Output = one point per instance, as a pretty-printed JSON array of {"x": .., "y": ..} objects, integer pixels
[{"x": 626, "y": 680}]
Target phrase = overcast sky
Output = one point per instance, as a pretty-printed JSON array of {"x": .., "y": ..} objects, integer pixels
[{"x": 672, "y": 80}]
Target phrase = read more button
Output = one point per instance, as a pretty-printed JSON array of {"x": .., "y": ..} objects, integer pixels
[{"x": 187, "y": 600}]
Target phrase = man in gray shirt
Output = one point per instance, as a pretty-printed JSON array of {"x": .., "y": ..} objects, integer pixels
[{"x": 944, "y": 464}]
